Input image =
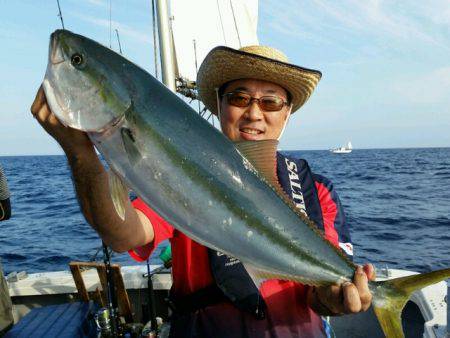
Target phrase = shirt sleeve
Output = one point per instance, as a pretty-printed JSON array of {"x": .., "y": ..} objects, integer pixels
[
  {"x": 336, "y": 228},
  {"x": 162, "y": 230}
]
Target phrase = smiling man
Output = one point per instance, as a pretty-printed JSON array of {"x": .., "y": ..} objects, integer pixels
[
  {"x": 253, "y": 91},
  {"x": 264, "y": 120}
]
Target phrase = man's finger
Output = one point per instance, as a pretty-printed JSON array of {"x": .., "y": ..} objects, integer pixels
[
  {"x": 332, "y": 299},
  {"x": 352, "y": 301},
  {"x": 43, "y": 114},
  {"x": 38, "y": 101},
  {"x": 370, "y": 271},
  {"x": 360, "y": 281}
]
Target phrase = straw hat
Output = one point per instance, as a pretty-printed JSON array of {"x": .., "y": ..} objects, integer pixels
[{"x": 224, "y": 64}]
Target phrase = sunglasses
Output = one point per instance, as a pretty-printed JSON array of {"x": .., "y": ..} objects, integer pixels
[{"x": 265, "y": 103}]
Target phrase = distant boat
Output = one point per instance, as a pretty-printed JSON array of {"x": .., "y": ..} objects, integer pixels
[{"x": 343, "y": 150}]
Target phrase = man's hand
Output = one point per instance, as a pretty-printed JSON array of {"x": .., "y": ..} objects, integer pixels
[
  {"x": 71, "y": 140},
  {"x": 346, "y": 298},
  {"x": 92, "y": 186}
]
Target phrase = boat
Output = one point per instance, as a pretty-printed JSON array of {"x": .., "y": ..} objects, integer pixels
[
  {"x": 343, "y": 150},
  {"x": 424, "y": 316}
]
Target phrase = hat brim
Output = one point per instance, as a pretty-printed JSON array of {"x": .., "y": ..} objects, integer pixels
[{"x": 224, "y": 64}]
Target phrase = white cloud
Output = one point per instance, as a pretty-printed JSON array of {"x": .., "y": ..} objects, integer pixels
[
  {"x": 124, "y": 30},
  {"x": 430, "y": 88},
  {"x": 401, "y": 23},
  {"x": 392, "y": 22},
  {"x": 99, "y": 3}
]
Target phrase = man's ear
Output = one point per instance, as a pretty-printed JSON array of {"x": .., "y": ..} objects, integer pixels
[
  {"x": 289, "y": 112},
  {"x": 286, "y": 120}
]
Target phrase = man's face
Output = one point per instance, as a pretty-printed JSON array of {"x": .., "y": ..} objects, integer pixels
[{"x": 252, "y": 122}]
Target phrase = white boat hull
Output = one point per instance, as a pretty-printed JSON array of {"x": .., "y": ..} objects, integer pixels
[
  {"x": 339, "y": 151},
  {"x": 426, "y": 307}
]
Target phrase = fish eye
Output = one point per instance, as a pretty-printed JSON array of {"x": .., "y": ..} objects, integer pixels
[{"x": 77, "y": 60}]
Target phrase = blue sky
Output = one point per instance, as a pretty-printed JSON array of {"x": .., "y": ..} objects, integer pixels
[{"x": 385, "y": 65}]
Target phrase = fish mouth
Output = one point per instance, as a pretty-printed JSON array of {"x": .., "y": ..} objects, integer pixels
[
  {"x": 56, "y": 53},
  {"x": 57, "y": 109}
]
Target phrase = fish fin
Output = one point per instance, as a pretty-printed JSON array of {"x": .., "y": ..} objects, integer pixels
[
  {"x": 390, "y": 296},
  {"x": 259, "y": 276},
  {"x": 129, "y": 143},
  {"x": 119, "y": 194},
  {"x": 129, "y": 113},
  {"x": 263, "y": 156}
]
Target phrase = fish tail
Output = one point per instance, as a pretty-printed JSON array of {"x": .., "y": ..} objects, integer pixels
[{"x": 390, "y": 296}]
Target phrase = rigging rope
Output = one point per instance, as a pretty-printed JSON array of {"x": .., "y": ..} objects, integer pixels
[
  {"x": 155, "y": 54},
  {"x": 221, "y": 23},
  {"x": 110, "y": 24},
  {"x": 235, "y": 23},
  {"x": 118, "y": 40},
  {"x": 196, "y": 68}
]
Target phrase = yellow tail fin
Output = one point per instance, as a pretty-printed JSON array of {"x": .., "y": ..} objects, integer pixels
[{"x": 390, "y": 296}]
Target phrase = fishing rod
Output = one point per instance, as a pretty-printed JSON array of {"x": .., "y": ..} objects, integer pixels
[
  {"x": 154, "y": 329},
  {"x": 151, "y": 305},
  {"x": 60, "y": 14},
  {"x": 111, "y": 294}
]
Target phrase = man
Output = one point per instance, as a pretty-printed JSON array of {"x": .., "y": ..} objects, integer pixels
[
  {"x": 253, "y": 91},
  {"x": 5, "y": 204},
  {"x": 6, "y": 317}
]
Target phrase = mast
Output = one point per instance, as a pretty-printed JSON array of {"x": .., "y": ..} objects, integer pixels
[
  {"x": 165, "y": 45},
  {"x": 232, "y": 23}
]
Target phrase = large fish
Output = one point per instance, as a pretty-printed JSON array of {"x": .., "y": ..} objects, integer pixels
[{"x": 221, "y": 194}]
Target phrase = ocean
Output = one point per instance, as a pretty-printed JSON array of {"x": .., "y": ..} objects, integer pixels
[{"x": 397, "y": 203}]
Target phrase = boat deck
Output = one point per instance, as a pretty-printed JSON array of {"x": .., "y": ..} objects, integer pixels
[{"x": 424, "y": 316}]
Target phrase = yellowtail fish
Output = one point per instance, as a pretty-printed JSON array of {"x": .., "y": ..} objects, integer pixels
[{"x": 223, "y": 195}]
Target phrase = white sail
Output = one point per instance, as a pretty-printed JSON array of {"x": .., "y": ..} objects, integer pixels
[{"x": 210, "y": 23}]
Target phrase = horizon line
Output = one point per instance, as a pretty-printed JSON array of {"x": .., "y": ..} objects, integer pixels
[{"x": 328, "y": 149}]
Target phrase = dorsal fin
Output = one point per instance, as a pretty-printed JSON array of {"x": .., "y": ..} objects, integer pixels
[{"x": 263, "y": 156}]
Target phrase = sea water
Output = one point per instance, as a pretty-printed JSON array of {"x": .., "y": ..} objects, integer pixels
[{"x": 397, "y": 204}]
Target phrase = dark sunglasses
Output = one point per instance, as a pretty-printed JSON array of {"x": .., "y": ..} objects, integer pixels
[{"x": 266, "y": 103}]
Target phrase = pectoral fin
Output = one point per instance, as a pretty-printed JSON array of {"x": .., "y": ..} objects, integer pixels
[{"x": 119, "y": 194}]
